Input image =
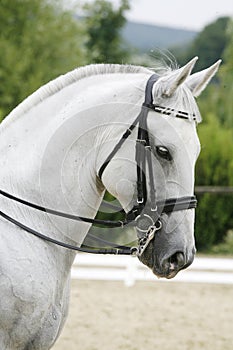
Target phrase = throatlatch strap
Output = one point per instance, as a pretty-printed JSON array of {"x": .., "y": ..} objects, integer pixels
[{"x": 117, "y": 147}]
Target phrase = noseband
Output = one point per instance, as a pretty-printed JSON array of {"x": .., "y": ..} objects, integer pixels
[{"x": 147, "y": 223}]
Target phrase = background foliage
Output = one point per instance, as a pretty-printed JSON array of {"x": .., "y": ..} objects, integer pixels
[
  {"x": 214, "y": 168},
  {"x": 209, "y": 45},
  {"x": 39, "y": 40},
  {"x": 103, "y": 24}
]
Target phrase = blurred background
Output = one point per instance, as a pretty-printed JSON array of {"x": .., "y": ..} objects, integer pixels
[{"x": 42, "y": 39}]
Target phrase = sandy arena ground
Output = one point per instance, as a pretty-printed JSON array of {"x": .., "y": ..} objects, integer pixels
[{"x": 148, "y": 316}]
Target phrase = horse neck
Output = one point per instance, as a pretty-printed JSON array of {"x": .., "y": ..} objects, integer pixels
[{"x": 51, "y": 154}]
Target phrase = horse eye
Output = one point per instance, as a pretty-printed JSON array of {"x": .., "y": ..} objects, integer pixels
[{"x": 163, "y": 152}]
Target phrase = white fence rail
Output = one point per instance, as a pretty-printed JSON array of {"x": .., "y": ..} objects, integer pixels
[{"x": 129, "y": 270}]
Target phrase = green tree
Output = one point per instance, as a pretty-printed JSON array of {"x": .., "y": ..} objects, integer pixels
[
  {"x": 217, "y": 99},
  {"x": 103, "y": 24},
  {"x": 224, "y": 103},
  {"x": 38, "y": 41},
  {"x": 214, "y": 168},
  {"x": 209, "y": 44}
]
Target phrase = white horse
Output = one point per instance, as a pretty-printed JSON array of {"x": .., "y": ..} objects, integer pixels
[{"x": 52, "y": 147}]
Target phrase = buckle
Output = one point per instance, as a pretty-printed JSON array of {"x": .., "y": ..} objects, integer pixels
[
  {"x": 140, "y": 201},
  {"x": 154, "y": 209}
]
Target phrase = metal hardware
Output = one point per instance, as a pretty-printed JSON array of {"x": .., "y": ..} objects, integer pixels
[
  {"x": 141, "y": 217},
  {"x": 140, "y": 201},
  {"x": 147, "y": 238},
  {"x": 154, "y": 209}
]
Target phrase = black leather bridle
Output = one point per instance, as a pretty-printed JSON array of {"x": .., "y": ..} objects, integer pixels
[{"x": 143, "y": 156}]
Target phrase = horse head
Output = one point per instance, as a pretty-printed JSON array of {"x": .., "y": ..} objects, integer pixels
[{"x": 171, "y": 119}]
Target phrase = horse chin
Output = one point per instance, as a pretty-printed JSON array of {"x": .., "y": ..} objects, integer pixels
[
  {"x": 147, "y": 260},
  {"x": 166, "y": 274}
]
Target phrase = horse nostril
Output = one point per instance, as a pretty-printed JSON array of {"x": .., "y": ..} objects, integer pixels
[
  {"x": 178, "y": 259},
  {"x": 174, "y": 262}
]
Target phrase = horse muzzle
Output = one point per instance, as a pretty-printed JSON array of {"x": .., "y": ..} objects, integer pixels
[
  {"x": 170, "y": 266},
  {"x": 166, "y": 253}
]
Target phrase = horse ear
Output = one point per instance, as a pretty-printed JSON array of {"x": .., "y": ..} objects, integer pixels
[
  {"x": 172, "y": 81},
  {"x": 197, "y": 82}
]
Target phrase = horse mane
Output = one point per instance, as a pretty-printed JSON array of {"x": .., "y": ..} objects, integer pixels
[{"x": 59, "y": 83}]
